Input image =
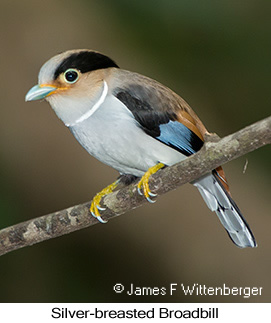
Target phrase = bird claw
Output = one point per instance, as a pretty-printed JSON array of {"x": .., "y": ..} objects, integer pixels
[
  {"x": 149, "y": 193},
  {"x": 150, "y": 200},
  {"x": 139, "y": 191},
  {"x": 99, "y": 218},
  {"x": 94, "y": 210},
  {"x": 146, "y": 191},
  {"x": 100, "y": 208},
  {"x": 144, "y": 183},
  {"x": 95, "y": 207}
]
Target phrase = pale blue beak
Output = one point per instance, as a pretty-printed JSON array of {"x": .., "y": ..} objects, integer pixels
[{"x": 39, "y": 92}]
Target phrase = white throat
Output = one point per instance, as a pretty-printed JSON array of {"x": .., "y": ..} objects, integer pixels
[{"x": 94, "y": 108}]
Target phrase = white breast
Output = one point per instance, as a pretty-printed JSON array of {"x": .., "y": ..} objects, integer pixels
[{"x": 112, "y": 135}]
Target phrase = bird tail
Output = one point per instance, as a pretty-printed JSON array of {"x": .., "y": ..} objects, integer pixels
[{"x": 213, "y": 189}]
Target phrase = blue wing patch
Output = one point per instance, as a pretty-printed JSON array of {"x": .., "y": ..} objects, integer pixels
[
  {"x": 161, "y": 125},
  {"x": 178, "y": 136}
]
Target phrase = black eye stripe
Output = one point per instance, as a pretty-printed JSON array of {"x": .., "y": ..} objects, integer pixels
[{"x": 85, "y": 61}]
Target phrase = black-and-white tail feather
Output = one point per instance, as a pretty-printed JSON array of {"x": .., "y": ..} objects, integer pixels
[{"x": 218, "y": 200}]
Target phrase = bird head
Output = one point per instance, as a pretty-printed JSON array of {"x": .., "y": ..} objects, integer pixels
[{"x": 71, "y": 82}]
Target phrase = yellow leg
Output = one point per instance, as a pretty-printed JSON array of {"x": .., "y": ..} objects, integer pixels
[
  {"x": 95, "y": 204},
  {"x": 144, "y": 182}
]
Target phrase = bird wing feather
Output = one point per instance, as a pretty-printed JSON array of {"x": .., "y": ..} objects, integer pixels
[{"x": 161, "y": 113}]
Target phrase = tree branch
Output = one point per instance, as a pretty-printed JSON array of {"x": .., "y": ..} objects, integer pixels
[{"x": 214, "y": 153}]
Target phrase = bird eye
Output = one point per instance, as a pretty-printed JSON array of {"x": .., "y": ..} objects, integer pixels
[{"x": 71, "y": 75}]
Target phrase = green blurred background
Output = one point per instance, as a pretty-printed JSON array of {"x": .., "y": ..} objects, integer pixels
[{"x": 216, "y": 54}]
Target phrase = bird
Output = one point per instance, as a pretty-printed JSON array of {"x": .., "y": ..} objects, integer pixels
[{"x": 134, "y": 124}]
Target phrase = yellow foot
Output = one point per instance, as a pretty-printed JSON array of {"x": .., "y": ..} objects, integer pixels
[
  {"x": 95, "y": 207},
  {"x": 144, "y": 182}
]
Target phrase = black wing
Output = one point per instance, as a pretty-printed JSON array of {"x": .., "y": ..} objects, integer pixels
[{"x": 160, "y": 124}]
